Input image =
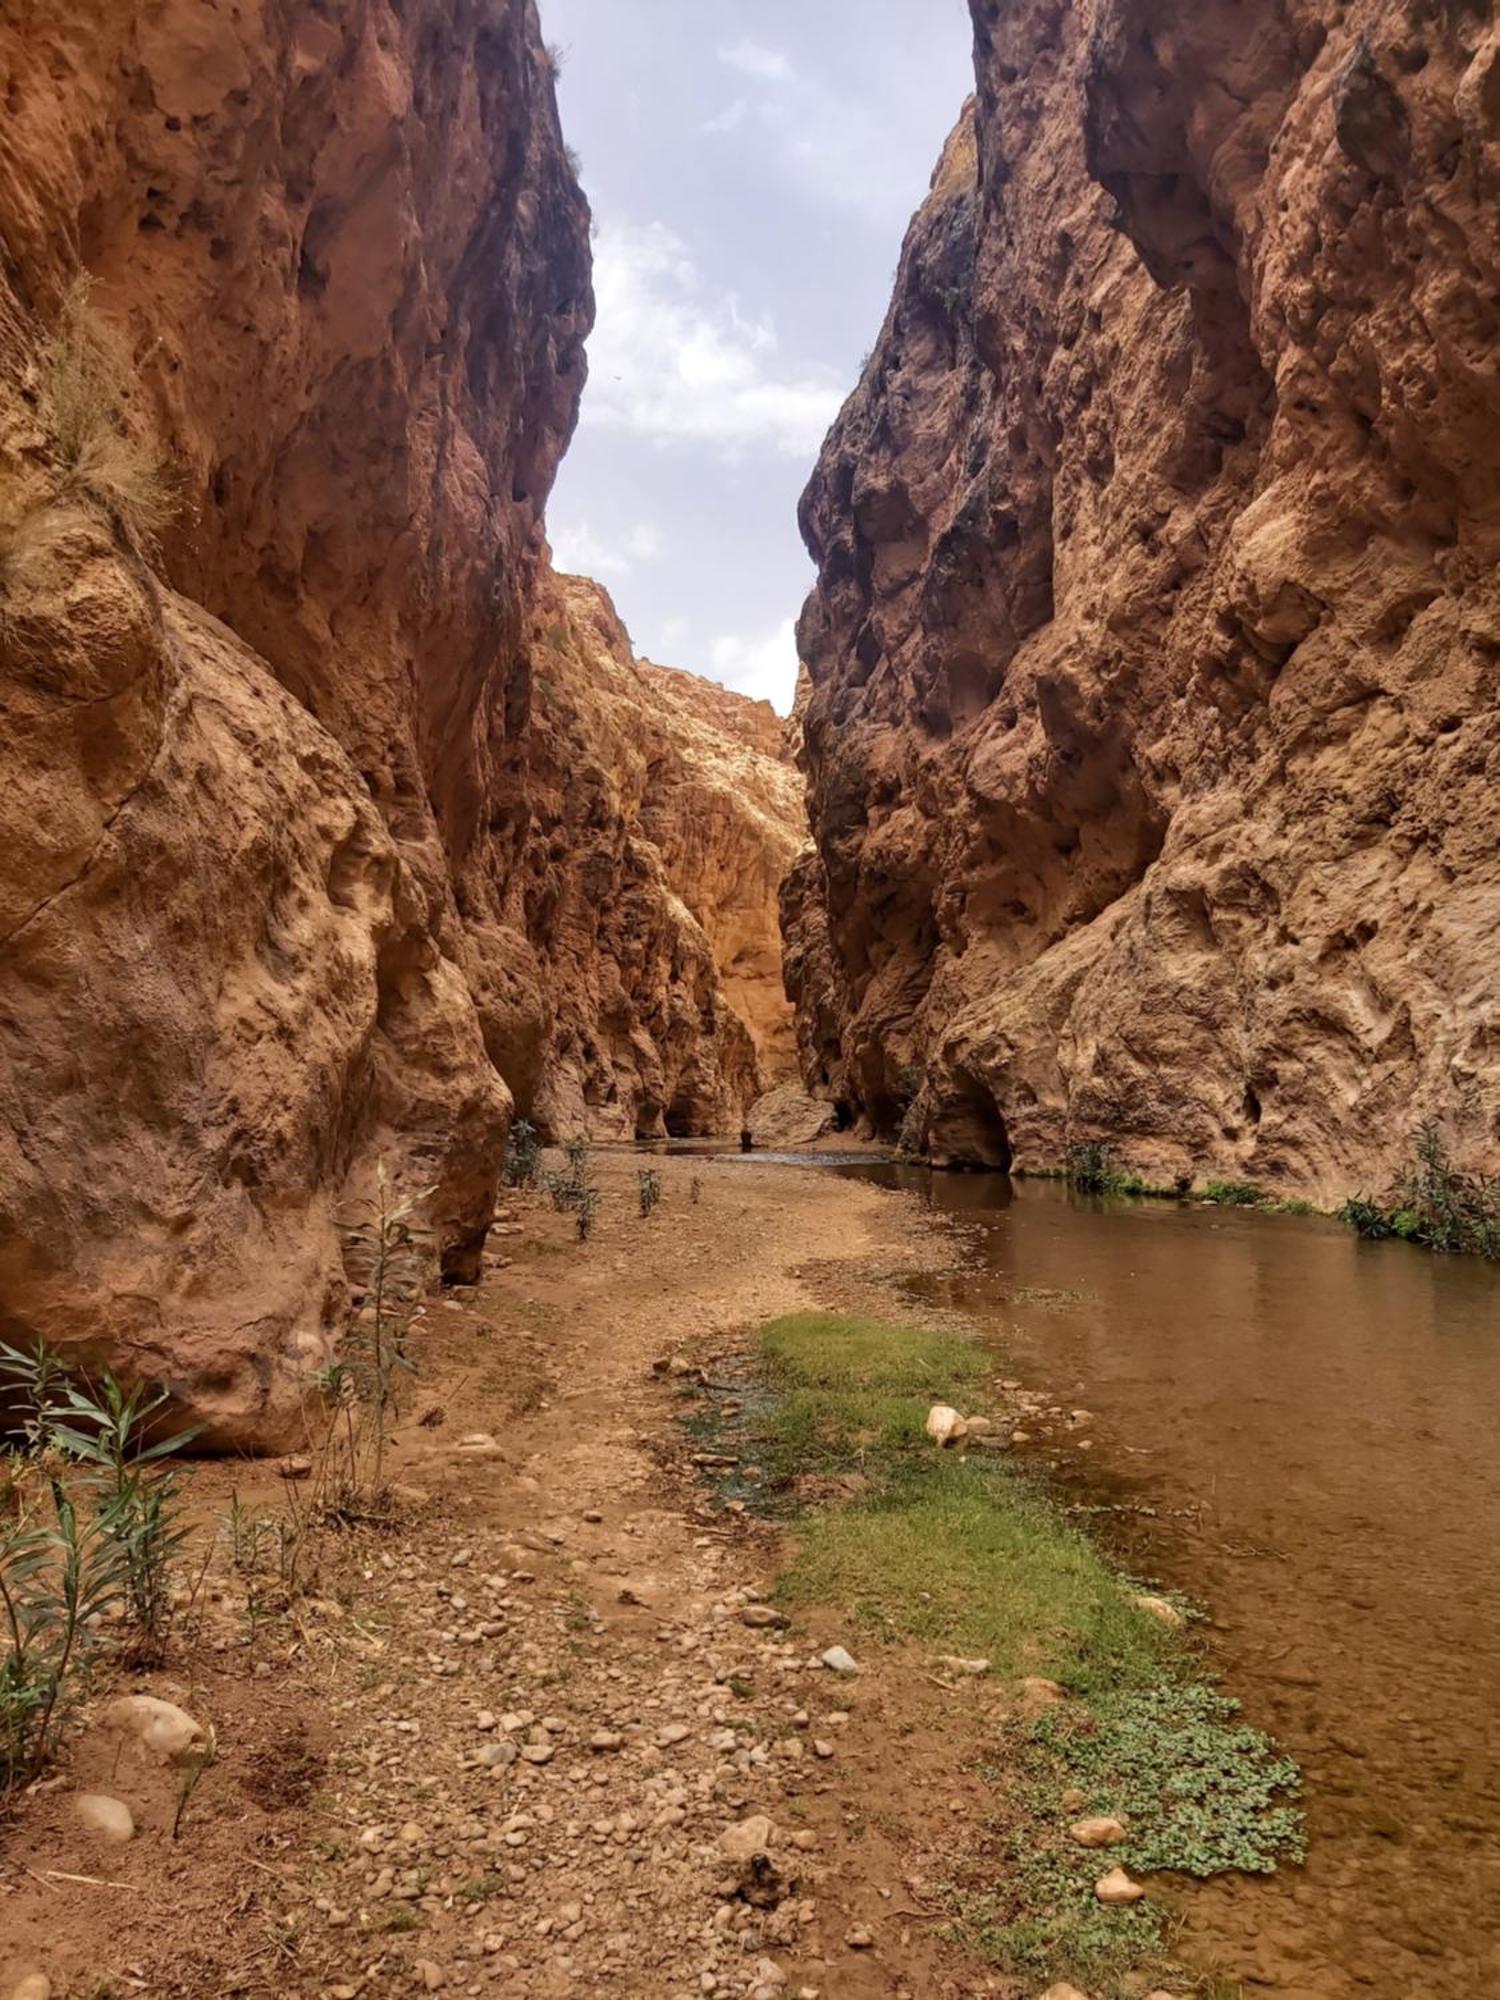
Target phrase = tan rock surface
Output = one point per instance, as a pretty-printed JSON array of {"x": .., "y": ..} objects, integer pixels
[
  {"x": 1154, "y": 724},
  {"x": 664, "y": 813},
  {"x": 272, "y": 786}
]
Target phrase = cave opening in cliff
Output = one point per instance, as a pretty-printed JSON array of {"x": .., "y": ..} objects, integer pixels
[{"x": 968, "y": 1131}]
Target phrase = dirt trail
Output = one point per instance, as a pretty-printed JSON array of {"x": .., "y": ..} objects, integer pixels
[{"x": 494, "y": 1752}]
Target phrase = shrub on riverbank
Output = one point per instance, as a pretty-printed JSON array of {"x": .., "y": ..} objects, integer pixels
[
  {"x": 1434, "y": 1202},
  {"x": 966, "y": 1554}
]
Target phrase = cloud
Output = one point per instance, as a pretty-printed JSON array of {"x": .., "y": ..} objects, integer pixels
[
  {"x": 579, "y": 550},
  {"x": 755, "y": 60},
  {"x": 765, "y": 668},
  {"x": 677, "y": 365}
]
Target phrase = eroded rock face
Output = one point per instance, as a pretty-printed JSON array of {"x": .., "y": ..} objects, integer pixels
[
  {"x": 1154, "y": 730},
  {"x": 270, "y": 791},
  {"x": 665, "y": 811}
]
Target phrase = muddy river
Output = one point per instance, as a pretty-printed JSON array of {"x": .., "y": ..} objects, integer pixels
[{"x": 1307, "y": 1424}]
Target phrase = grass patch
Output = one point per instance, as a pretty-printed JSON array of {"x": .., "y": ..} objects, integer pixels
[
  {"x": 967, "y": 1554},
  {"x": 1234, "y": 1194},
  {"x": 964, "y": 1555}
]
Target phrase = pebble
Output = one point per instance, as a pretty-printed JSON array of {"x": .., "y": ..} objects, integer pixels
[
  {"x": 1103, "y": 1832},
  {"x": 1117, "y": 1889},
  {"x": 606, "y": 1739},
  {"x": 110, "y": 1818},
  {"x": 538, "y": 1753},
  {"x": 957, "y": 1665},
  {"x": 859, "y": 1939},
  {"x": 761, "y": 1617},
  {"x": 839, "y": 1662},
  {"x": 496, "y": 1756},
  {"x": 432, "y": 1976}
]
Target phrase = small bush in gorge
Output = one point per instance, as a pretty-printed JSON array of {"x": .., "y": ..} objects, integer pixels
[
  {"x": 587, "y": 1205},
  {"x": 1091, "y": 1166},
  {"x": 1234, "y": 1194},
  {"x": 94, "y": 1521},
  {"x": 58, "y": 1574},
  {"x": 648, "y": 1184},
  {"x": 390, "y": 1253},
  {"x": 1434, "y": 1202},
  {"x": 523, "y": 1156}
]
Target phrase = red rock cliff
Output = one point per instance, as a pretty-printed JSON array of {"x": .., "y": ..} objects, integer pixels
[
  {"x": 271, "y": 547},
  {"x": 1153, "y": 737}
]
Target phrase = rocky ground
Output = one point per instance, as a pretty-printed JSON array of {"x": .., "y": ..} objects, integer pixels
[{"x": 527, "y": 1742}]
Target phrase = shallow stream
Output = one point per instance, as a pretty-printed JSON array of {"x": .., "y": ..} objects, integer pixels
[{"x": 1299, "y": 1429}]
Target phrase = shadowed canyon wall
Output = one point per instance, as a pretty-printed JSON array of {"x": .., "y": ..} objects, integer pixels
[
  {"x": 278, "y": 822},
  {"x": 1153, "y": 730}
]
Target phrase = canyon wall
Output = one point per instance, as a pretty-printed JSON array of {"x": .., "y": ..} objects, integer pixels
[
  {"x": 1153, "y": 734},
  {"x": 665, "y": 811},
  {"x": 271, "y": 549}
]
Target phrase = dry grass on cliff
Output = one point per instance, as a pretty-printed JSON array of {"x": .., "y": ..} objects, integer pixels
[{"x": 87, "y": 379}]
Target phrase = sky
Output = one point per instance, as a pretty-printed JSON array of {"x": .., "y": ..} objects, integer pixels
[{"x": 752, "y": 166}]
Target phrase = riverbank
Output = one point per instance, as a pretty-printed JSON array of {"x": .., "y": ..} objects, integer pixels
[{"x": 496, "y": 1747}]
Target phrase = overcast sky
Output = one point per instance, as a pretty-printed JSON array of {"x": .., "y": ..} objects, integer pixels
[{"x": 752, "y": 166}]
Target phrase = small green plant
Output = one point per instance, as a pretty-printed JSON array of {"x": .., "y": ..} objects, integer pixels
[
  {"x": 1091, "y": 1166},
  {"x": 574, "y": 1189},
  {"x": 390, "y": 1253},
  {"x": 1434, "y": 1202},
  {"x": 58, "y": 1575},
  {"x": 648, "y": 1185},
  {"x": 523, "y": 1155},
  {"x": 587, "y": 1205},
  {"x": 695, "y": 1190},
  {"x": 192, "y": 1777},
  {"x": 114, "y": 1437},
  {"x": 1234, "y": 1194}
]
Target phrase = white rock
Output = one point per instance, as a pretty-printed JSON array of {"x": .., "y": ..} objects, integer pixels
[
  {"x": 944, "y": 1425},
  {"x": 1102, "y": 1832},
  {"x": 859, "y": 1939},
  {"x": 162, "y": 1729},
  {"x": 956, "y": 1665},
  {"x": 838, "y": 1661},
  {"x": 110, "y": 1818},
  {"x": 1116, "y": 1888},
  {"x": 1161, "y": 1610}
]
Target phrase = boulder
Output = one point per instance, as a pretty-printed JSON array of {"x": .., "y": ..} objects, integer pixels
[
  {"x": 1116, "y": 1889},
  {"x": 163, "y": 1732},
  {"x": 944, "y": 1425},
  {"x": 111, "y": 1819}
]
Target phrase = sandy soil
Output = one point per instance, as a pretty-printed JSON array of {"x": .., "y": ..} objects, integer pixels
[{"x": 368, "y": 1828}]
